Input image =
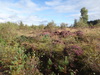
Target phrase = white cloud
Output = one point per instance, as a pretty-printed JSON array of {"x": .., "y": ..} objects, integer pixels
[
  {"x": 74, "y": 6},
  {"x": 53, "y": 3},
  {"x": 20, "y": 11},
  {"x": 25, "y": 19},
  {"x": 33, "y": 20}
]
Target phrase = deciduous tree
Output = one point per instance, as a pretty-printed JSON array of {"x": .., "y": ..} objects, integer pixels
[{"x": 84, "y": 15}]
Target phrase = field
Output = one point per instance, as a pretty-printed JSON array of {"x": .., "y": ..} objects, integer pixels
[{"x": 43, "y": 50}]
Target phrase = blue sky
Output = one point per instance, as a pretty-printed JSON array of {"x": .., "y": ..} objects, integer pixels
[{"x": 44, "y": 11}]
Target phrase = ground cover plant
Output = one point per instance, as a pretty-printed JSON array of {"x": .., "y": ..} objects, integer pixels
[{"x": 38, "y": 50}]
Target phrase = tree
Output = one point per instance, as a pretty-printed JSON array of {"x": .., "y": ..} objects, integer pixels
[
  {"x": 50, "y": 25},
  {"x": 21, "y": 23},
  {"x": 63, "y": 25},
  {"x": 84, "y": 15},
  {"x": 75, "y": 22},
  {"x": 94, "y": 23},
  {"x": 81, "y": 24}
]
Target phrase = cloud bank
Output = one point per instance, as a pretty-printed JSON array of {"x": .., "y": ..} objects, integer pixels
[
  {"x": 74, "y": 6},
  {"x": 20, "y": 11},
  {"x": 26, "y": 10}
]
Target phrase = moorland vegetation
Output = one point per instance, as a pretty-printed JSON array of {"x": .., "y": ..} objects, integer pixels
[{"x": 50, "y": 49}]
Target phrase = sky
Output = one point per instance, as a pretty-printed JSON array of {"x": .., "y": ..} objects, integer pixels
[{"x": 43, "y": 11}]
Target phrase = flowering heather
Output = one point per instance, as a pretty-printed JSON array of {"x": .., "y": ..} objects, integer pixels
[
  {"x": 56, "y": 33},
  {"x": 79, "y": 33},
  {"x": 76, "y": 49},
  {"x": 63, "y": 33}
]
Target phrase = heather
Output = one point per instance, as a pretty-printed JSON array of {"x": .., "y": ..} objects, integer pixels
[{"x": 49, "y": 50}]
